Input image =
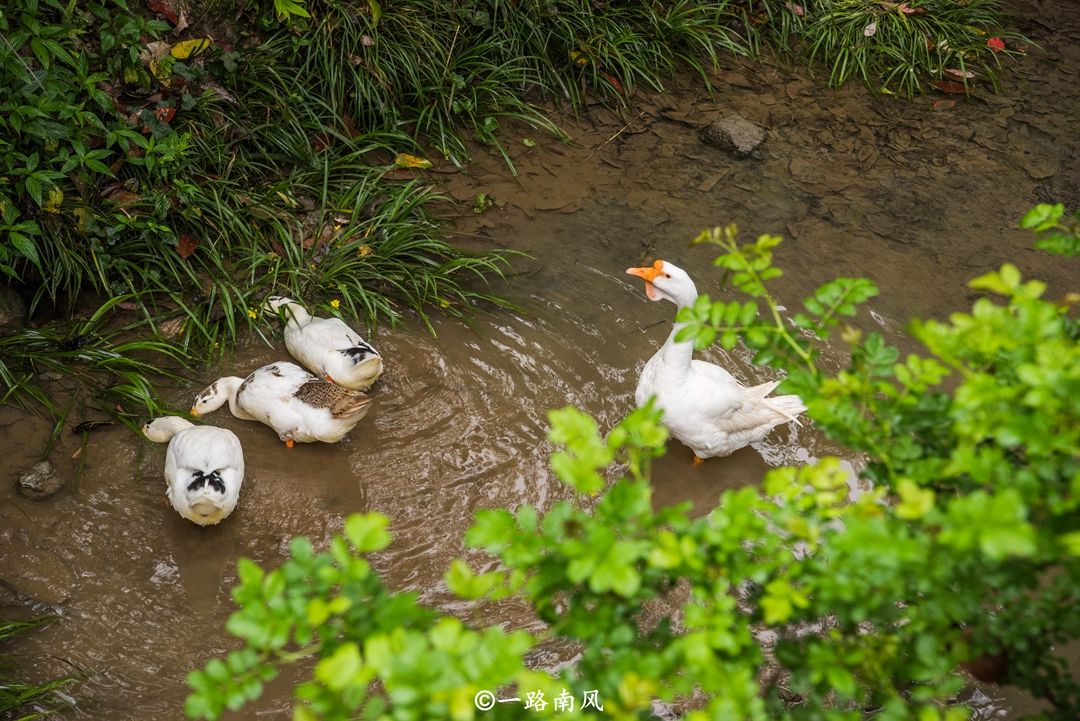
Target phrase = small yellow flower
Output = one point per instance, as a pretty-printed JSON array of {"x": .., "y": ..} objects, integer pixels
[
  {"x": 335, "y": 303},
  {"x": 364, "y": 250},
  {"x": 252, "y": 313}
]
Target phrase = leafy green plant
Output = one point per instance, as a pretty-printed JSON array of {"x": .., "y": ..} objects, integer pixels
[
  {"x": 57, "y": 126},
  {"x": 800, "y": 599},
  {"x": 1058, "y": 233}
]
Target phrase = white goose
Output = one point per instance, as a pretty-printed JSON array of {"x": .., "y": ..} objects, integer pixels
[
  {"x": 328, "y": 347},
  {"x": 704, "y": 406},
  {"x": 300, "y": 407},
  {"x": 204, "y": 468}
]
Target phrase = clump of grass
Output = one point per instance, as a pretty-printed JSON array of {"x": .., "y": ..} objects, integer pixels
[
  {"x": 370, "y": 241},
  {"x": 897, "y": 47},
  {"x": 90, "y": 364},
  {"x": 24, "y": 701}
]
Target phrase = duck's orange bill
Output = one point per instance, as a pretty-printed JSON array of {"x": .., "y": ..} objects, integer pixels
[
  {"x": 194, "y": 412},
  {"x": 649, "y": 275}
]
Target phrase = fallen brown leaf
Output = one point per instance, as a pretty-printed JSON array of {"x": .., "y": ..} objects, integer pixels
[
  {"x": 186, "y": 245},
  {"x": 950, "y": 86}
]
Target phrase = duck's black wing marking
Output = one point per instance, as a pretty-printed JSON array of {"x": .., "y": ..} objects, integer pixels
[{"x": 200, "y": 479}]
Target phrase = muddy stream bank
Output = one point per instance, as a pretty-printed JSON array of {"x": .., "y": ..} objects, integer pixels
[{"x": 918, "y": 197}]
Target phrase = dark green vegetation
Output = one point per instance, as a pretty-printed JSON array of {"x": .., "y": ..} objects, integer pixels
[
  {"x": 961, "y": 551},
  {"x": 196, "y": 177},
  {"x": 904, "y": 47},
  {"x": 20, "y": 700}
]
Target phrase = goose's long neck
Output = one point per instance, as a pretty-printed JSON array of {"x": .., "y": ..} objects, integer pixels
[
  {"x": 231, "y": 385},
  {"x": 677, "y": 354}
]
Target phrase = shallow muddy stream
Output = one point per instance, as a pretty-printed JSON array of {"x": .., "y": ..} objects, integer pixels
[{"x": 918, "y": 199}]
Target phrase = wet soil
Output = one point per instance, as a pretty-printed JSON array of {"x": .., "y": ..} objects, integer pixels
[{"x": 920, "y": 196}]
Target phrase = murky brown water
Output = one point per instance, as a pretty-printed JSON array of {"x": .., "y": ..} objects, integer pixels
[{"x": 918, "y": 199}]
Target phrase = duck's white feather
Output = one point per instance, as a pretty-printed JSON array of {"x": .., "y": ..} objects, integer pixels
[
  {"x": 704, "y": 406},
  {"x": 204, "y": 468},
  {"x": 297, "y": 405},
  {"x": 328, "y": 347}
]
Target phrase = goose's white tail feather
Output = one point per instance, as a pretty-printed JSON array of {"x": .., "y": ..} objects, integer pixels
[
  {"x": 761, "y": 390},
  {"x": 787, "y": 406},
  {"x": 207, "y": 504}
]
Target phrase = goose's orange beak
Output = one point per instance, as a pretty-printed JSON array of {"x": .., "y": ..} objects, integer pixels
[
  {"x": 194, "y": 412},
  {"x": 649, "y": 275}
]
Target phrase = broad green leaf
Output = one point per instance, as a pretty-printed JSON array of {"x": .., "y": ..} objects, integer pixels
[
  {"x": 367, "y": 532},
  {"x": 915, "y": 502}
]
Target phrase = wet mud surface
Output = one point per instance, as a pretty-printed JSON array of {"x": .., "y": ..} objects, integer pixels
[{"x": 920, "y": 196}]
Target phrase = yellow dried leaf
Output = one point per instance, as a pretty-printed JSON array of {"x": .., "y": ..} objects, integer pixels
[
  {"x": 578, "y": 58},
  {"x": 80, "y": 219},
  {"x": 53, "y": 200},
  {"x": 162, "y": 69},
  {"x": 404, "y": 160},
  {"x": 287, "y": 199},
  {"x": 189, "y": 48}
]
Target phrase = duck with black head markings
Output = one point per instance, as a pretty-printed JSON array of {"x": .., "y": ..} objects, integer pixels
[
  {"x": 328, "y": 347},
  {"x": 204, "y": 468},
  {"x": 300, "y": 407}
]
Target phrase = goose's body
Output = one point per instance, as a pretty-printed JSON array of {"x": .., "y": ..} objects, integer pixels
[
  {"x": 204, "y": 468},
  {"x": 704, "y": 406},
  {"x": 328, "y": 347},
  {"x": 300, "y": 407}
]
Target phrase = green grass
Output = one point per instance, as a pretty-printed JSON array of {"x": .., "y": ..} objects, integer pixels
[
  {"x": 899, "y": 48},
  {"x": 89, "y": 364},
  {"x": 22, "y": 701}
]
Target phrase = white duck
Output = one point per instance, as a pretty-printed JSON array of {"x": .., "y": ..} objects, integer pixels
[
  {"x": 204, "y": 468},
  {"x": 328, "y": 347},
  {"x": 704, "y": 406},
  {"x": 300, "y": 407}
]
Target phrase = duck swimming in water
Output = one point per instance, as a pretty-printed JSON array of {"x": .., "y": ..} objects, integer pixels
[
  {"x": 204, "y": 468},
  {"x": 328, "y": 347},
  {"x": 300, "y": 407}
]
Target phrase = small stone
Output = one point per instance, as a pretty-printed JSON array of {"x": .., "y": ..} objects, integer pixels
[
  {"x": 734, "y": 133},
  {"x": 40, "y": 482}
]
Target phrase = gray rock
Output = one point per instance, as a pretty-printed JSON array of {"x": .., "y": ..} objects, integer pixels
[
  {"x": 734, "y": 133},
  {"x": 12, "y": 308},
  {"x": 40, "y": 482}
]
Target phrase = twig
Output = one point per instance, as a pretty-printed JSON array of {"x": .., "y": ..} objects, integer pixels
[{"x": 606, "y": 142}]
